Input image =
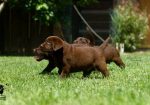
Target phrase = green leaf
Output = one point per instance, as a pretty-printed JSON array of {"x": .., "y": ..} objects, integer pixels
[{"x": 42, "y": 6}]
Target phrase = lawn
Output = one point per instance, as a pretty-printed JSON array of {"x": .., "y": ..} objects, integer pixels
[{"x": 24, "y": 86}]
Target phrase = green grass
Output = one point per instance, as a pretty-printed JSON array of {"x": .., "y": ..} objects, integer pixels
[{"x": 24, "y": 86}]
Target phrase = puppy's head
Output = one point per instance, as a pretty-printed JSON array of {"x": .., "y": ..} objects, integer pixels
[
  {"x": 52, "y": 43},
  {"x": 82, "y": 40}
]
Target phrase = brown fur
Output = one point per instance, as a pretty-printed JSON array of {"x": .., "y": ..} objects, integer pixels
[
  {"x": 75, "y": 58},
  {"x": 111, "y": 53}
]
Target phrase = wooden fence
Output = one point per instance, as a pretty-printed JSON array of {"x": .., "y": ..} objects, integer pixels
[{"x": 19, "y": 33}]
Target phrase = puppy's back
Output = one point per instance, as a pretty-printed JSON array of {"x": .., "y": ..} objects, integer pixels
[{"x": 79, "y": 56}]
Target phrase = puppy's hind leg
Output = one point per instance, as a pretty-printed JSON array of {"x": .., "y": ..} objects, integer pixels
[{"x": 102, "y": 67}]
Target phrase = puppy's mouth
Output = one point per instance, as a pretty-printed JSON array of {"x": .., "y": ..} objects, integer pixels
[
  {"x": 39, "y": 58},
  {"x": 38, "y": 55}
]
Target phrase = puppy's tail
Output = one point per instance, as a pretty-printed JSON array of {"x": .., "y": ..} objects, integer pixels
[{"x": 105, "y": 43}]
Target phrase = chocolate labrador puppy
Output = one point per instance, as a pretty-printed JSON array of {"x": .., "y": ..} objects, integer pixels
[
  {"x": 76, "y": 58},
  {"x": 111, "y": 53}
]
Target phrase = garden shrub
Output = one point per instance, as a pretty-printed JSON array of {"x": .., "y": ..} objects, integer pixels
[{"x": 129, "y": 26}]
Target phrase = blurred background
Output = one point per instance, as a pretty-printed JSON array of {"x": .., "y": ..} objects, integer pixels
[{"x": 24, "y": 24}]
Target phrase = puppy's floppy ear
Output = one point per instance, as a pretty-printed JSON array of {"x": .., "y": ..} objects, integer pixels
[{"x": 57, "y": 43}]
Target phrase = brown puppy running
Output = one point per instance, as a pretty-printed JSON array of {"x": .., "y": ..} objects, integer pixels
[
  {"x": 75, "y": 58},
  {"x": 111, "y": 53}
]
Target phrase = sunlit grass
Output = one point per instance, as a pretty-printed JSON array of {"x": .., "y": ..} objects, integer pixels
[{"x": 24, "y": 86}]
